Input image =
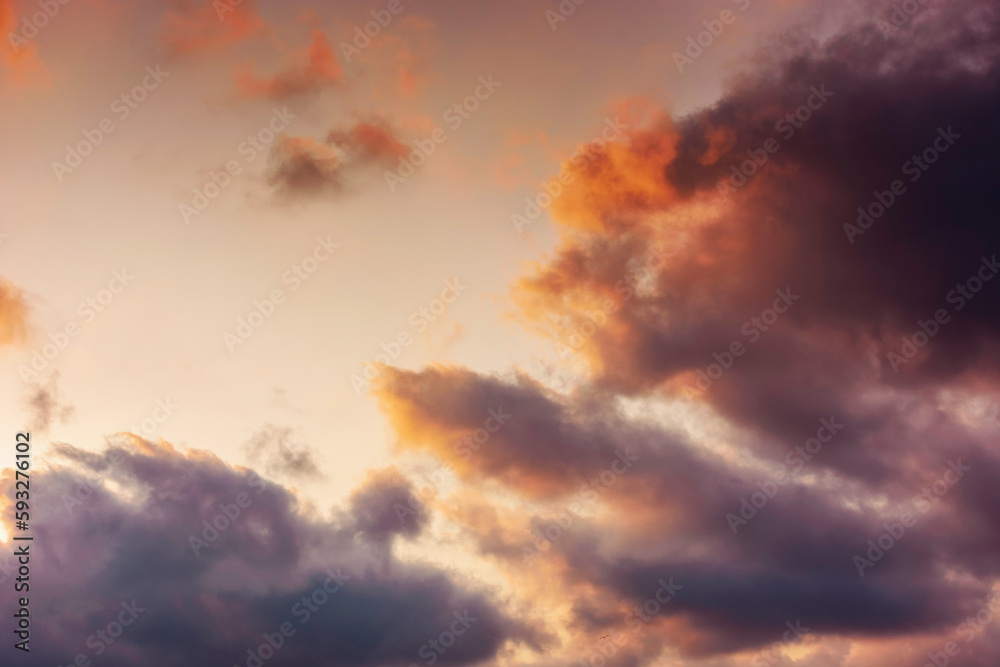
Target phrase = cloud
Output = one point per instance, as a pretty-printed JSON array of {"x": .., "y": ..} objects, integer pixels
[
  {"x": 660, "y": 271},
  {"x": 134, "y": 545},
  {"x": 47, "y": 405},
  {"x": 387, "y": 506},
  {"x": 209, "y": 27},
  {"x": 13, "y": 314},
  {"x": 312, "y": 69},
  {"x": 307, "y": 167},
  {"x": 18, "y": 53},
  {"x": 279, "y": 452}
]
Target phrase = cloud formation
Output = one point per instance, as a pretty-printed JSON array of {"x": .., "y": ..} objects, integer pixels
[
  {"x": 307, "y": 167},
  {"x": 752, "y": 264},
  {"x": 261, "y": 560}
]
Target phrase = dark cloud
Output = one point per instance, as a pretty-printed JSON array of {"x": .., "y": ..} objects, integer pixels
[
  {"x": 387, "y": 505},
  {"x": 660, "y": 271},
  {"x": 104, "y": 548}
]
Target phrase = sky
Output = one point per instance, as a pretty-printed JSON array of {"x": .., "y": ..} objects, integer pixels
[{"x": 538, "y": 333}]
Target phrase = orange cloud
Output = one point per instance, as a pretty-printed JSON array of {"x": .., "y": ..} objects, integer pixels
[
  {"x": 312, "y": 68},
  {"x": 18, "y": 54},
  {"x": 209, "y": 28},
  {"x": 13, "y": 313}
]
